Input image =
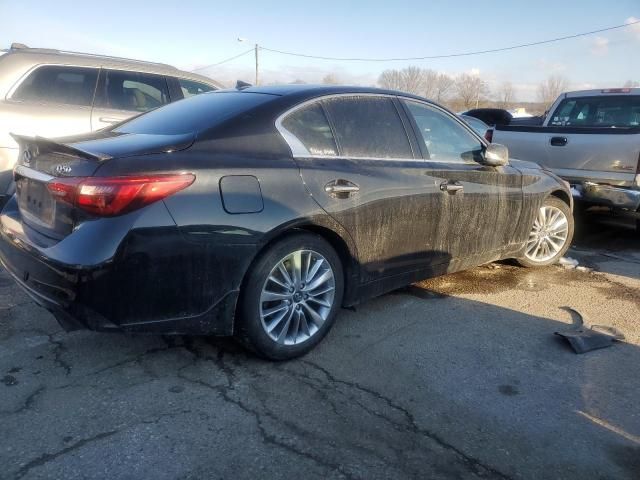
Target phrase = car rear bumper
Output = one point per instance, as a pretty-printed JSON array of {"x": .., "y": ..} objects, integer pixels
[
  {"x": 139, "y": 294},
  {"x": 607, "y": 195}
]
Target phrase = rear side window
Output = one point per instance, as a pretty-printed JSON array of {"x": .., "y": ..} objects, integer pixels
[
  {"x": 190, "y": 88},
  {"x": 132, "y": 91},
  {"x": 368, "y": 127},
  {"x": 444, "y": 138},
  {"x": 58, "y": 85},
  {"x": 195, "y": 114},
  {"x": 310, "y": 127},
  {"x": 601, "y": 111}
]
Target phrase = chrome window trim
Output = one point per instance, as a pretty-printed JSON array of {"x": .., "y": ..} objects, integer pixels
[
  {"x": 298, "y": 150},
  {"x": 32, "y": 174},
  {"x": 390, "y": 159},
  {"x": 26, "y": 75},
  {"x": 296, "y": 146}
]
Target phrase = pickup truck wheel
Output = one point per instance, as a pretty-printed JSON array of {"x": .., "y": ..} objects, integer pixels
[{"x": 550, "y": 236}]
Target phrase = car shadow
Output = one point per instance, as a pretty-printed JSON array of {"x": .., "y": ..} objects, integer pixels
[{"x": 608, "y": 242}]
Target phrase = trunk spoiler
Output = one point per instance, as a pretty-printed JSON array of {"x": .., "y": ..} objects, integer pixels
[{"x": 46, "y": 145}]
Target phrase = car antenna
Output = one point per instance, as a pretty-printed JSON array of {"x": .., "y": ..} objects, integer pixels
[{"x": 240, "y": 85}]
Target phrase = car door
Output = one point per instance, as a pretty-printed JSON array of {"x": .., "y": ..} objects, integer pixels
[
  {"x": 123, "y": 94},
  {"x": 595, "y": 138},
  {"x": 481, "y": 205},
  {"x": 360, "y": 165}
]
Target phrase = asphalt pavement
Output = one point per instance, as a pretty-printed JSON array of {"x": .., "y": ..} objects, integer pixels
[{"x": 456, "y": 377}]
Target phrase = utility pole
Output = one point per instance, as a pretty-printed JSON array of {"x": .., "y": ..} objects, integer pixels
[{"x": 257, "y": 48}]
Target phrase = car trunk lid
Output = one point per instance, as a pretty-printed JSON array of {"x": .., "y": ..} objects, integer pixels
[{"x": 43, "y": 162}]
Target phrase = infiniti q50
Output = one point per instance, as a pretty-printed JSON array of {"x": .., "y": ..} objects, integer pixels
[{"x": 258, "y": 212}]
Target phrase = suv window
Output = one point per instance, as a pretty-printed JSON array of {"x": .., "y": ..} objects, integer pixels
[
  {"x": 368, "y": 127},
  {"x": 132, "y": 91},
  {"x": 444, "y": 138},
  {"x": 601, "y": 111},
  {"x": 58, "y": 84},
  {"x": 311, "y": 128},
  {"x": 190, "y": 88}
]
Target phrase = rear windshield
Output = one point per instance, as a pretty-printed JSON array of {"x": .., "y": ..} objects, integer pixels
[{"x": 194, "y": 114}]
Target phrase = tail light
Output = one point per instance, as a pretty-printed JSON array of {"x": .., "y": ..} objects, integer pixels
[
  {"x": 111, "y": 196},
  {"x": 488, "y": 135}
]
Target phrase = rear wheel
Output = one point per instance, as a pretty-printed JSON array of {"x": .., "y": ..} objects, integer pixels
[
  {"x": 550, "y": 235},
  {"x": 291, "y": 297}
]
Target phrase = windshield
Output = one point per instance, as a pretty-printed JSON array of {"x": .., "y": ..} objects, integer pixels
[{"x": 194, "y": 114}]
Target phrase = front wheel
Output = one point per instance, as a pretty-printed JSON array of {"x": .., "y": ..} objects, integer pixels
[
  {"x": 291, "y": 297},
  {"x": 550, "y": 235}
]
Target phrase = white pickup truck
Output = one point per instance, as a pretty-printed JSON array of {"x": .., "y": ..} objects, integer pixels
[{"x": 591, "y": 139}]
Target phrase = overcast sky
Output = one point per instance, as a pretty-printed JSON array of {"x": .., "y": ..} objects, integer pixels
[{"x": 193, "y": 33}]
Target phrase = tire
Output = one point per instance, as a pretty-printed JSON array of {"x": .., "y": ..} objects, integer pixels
[
  {"x": 548, "y": 254},
  {"x": 310, "y": 313}
]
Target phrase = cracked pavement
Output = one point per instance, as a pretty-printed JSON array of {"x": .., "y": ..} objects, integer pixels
[{"x": 456, "y": 377}]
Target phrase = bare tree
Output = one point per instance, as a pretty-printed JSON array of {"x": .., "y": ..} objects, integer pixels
[
  {"x": 330, "y": 79},
  {"x": 429, "y": 83},
  {"x": 391, "y": 79},
  {"x": 551, "y": 88},
  {"x": 419, "y": 81},
  {"x": 444, "y": 83},
  {"x": 410, "y": 80},
  {"x": 471, "y": 89},
  {"x": 631, "y": 84},
  {"x": 505, "y": 94}
]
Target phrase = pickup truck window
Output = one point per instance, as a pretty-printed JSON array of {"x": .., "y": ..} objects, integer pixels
[{"x": 600, "y": 111}]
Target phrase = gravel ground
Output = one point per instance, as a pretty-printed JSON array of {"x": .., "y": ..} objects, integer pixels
[{"x": 457, "y": 377}]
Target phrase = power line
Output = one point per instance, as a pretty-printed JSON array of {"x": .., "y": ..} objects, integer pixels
[
  {"x": 462, "y": 54},
  {"x": 223, "y": 61}
]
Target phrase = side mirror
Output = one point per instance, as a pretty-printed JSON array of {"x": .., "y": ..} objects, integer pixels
[{"x": 496, "y": 155}]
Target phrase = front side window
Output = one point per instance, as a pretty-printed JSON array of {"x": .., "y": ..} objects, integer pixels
[
  {"x": 310, "y": 127},
  {"x": 58, "y": 84},
  {"x": 132, "y": 91},
  {"x": 190, "y": 88},
  {"x": 600, "y": 111},
  {"x": 368, "y": 127},
  {"x": 444, "y": 138}
]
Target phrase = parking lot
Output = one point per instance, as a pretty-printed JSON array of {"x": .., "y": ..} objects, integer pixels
[{"x": 458, "y": 377}]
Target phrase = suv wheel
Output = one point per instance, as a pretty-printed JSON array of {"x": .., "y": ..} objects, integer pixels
[
  {"x": 291, "y": 297},
  {"x": 550, "y": 236}
]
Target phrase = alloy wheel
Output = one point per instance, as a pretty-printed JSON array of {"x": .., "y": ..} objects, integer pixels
[
  {"x": 297, "y": 297},
  {"x": 549, "y": 234}
]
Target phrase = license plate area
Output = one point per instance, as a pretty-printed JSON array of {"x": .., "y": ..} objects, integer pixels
[{"x": 35, "y": 202}]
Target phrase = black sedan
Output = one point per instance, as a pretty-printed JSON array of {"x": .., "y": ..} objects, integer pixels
[{"x": 259, "y": 212}]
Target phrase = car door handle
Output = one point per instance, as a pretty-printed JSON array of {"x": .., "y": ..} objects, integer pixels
[
  {"x": 341, "y": 188},
  {"x": 558, "y": 141},
  {"x": 451, "y": 187},
  {"x": 110, "y": 119}
]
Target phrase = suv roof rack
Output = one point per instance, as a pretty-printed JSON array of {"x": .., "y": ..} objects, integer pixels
[{"x": 24, "y": 48}]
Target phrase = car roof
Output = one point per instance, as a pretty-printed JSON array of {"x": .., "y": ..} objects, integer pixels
[
  {"x": 603, "y": 92},
  {"x": 22, "y": 59},
  {"x": 312, "y": 91}
]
